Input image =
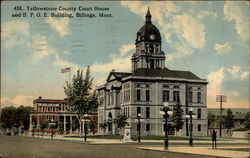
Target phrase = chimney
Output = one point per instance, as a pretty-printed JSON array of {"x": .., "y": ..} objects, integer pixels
[{"x": 40, "y": 97}]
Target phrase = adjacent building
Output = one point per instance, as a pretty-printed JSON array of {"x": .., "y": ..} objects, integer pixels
[
  {"x": 52, "y": 110},
  {"x": 148, "y": 86}
]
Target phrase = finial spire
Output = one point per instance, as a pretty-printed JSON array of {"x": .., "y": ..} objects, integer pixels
[{"x": 148, "y": 17}]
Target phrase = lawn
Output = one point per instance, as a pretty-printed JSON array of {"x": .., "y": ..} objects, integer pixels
[{"x": 144, "y": 137}]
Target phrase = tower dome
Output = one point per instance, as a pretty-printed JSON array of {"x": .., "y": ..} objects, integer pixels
[{"x": 148, "y": 32}]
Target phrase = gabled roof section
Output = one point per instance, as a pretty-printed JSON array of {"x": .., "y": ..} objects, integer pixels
[
  {"x": 165, "y": 73},
  {"x": 117, "y": 75}
]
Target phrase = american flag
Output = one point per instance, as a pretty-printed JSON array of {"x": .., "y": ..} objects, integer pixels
[{"x": 65, "y": 70}]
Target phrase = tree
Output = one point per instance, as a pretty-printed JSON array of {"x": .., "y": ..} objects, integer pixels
[
  {"x": 121, "y": 121},
  {"x": 229, "y": 119},
  {"x": 103, "y": 126},
  {"x": 23, "y": 116},
  {"x": 8, "y": 117},
  {"x": 211, "y": 118},
  {"x": 12, "y": 116},
  {"x": 247, "y": 121},
  {"x": 44, "y": 124},
  {"x": 177, "y": 116},
  {"x": 79, "y": 95}
]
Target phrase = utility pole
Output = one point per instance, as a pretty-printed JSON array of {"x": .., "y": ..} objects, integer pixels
[{"x": 221, "y": 98}]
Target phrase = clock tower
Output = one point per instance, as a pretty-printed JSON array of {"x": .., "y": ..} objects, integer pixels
[{"x": 148, "y": 53}]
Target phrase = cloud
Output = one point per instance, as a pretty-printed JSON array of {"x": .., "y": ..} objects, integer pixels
[
  {"x": 216, "y": 80},
  {"x": 41, "y": 48},
  {"x": 13, "y": 33},
  {"x": 191, "y": 29},
  {"x": 223, "y": 48},
  {"x": 17, "y": 101},
  {"x": 244, "y": 75},
  {"x": 61, "y": 26},
  {"x": 233, "y": 12},
  {"x": 126, "y": 48},
  {"x": 205, "y": 13},
  {"x": 182, "y": 50}
]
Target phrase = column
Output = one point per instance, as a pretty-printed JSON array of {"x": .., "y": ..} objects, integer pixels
[
  {"x": 38, "y": 121},
  {"x": 30, "y": 122},
  {"x": 64, "y": 124},
  {"x": 70, "y": 124}
]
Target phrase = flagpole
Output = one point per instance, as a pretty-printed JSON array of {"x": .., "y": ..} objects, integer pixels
[{"x": 69, "y": 74}]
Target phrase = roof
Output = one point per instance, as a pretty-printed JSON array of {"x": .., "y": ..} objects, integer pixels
[
  {"x": 117, "y": 75},
  {"x": 147, "y": 30},
  {"x": 165, "y": 73},
  {"x": 49, "y": 101}
]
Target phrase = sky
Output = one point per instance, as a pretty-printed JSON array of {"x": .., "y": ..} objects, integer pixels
[{"x": 210, "y": 39}]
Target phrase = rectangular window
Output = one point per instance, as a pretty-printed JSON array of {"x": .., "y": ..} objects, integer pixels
[
  {"x": 176, "y": 96},
  {"x": 199, "y": 128},
  {"x": 190, "y": 97},
  {"x": 108, "y": 96},
  {"x": 128, "y": 112},
  {"x": 199, "y": 114},
  {"x": 147, "y": 95},
  {"x": 147, "y": 112},
  {"x": 199, "y": 97},
  {"x": 165, "y": 95},
  {"x": 112, "y": 99},
  {"x": 148, "y": 127},
  {"x": 138, "y": 94},
  {"x": 127, "y": 96},
  {"x": 138, "y": 110}
]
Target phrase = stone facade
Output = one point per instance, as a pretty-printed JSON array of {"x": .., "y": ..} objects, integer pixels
[{"x": 148, "y": 86}]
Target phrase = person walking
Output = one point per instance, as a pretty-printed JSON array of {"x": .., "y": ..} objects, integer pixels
[{"x": 214, "y": 145}]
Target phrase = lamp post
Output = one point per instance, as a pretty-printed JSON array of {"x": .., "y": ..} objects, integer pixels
[
  {"x": 191, "y": 113},
  {"x": 52, "y": 124},
  {"x": 139, "y": 127},
  {"x": 166, "y": 111},
  {"x": 85, "y": 116}
]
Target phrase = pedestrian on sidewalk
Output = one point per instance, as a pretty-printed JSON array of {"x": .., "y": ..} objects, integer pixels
[{"x": 214, "y": 145}]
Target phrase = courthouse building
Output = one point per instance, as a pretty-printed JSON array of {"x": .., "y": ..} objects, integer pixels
[{"x": 149, "y": 84}]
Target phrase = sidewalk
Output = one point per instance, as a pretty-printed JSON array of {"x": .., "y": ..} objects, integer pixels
[
  {"x": 119, "y": 141},
  {"x": 205, "y": 151}
]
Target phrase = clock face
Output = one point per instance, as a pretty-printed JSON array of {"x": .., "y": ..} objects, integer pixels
[{"x": 152, "y": 37}]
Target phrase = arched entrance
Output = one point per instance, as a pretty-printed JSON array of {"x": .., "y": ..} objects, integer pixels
[{"x": 110, "y": 117}]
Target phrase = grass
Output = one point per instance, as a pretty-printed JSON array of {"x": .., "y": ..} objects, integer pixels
[{"x": 143, "y": 137}]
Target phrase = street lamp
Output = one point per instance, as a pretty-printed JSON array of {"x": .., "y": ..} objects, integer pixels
[
  {"x": 166, "y": 111},
  {"x": 139, "y": 127},
  {"x": 52, "y": 124},
  {"x": 190, "y": 115},
  {"x": 85, "y": 116}
]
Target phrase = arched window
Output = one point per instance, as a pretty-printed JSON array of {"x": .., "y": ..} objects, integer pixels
[
  {"x": 110, "y": 115},
  {"x": 151, "y": 48},
  {"x": 199, "y": 128}
]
